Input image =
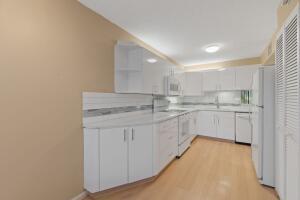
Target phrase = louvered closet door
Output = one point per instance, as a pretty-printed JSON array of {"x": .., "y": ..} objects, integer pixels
[
  {"x": 279, "y": 111},
  {"x": 291, "y": 64}
]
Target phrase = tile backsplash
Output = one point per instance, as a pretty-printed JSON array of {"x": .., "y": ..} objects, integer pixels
[
  {"x": 104, "y": 104},
  {"x": 224, "y": 97}
]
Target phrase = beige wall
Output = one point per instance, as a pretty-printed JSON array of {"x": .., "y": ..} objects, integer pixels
[
  {"x": 268, "y": 56},
  {"x": 231, "y": 63},
  {"x": 50, "y": 51}
]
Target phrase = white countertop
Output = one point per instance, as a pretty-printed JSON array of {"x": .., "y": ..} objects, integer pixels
[{"x": 152, "y": 118}]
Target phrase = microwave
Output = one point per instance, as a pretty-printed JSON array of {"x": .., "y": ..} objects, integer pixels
[{"x": 172, "y": 86}]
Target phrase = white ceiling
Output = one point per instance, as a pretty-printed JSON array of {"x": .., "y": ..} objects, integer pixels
[{"x": 181, "y": 28}]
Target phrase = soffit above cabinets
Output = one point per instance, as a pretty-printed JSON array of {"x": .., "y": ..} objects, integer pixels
[{"x": 181, "y": 29}]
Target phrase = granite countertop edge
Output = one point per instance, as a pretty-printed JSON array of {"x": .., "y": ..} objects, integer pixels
[{"x": 153, "y": 118}]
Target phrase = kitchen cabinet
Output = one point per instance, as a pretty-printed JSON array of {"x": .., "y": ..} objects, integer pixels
[
  {"x": 165, "y": 143},
  {"x": 128, "y": 68},
  {"x": 193, "y": 84},
  {"x": 234, "y": 78},
  {"x": 244, "y": 77},
  {"x": 207, "y": 124},
  {"x": 140, "y": 153},
  {"x": 113, "y": 158},
  {"x": 219, "y": 80},
  {"x": 217, "y": 124},
  {"x": 227, "y": 79},
  {"x": 117, "y": 156},
  {"x": 154, "y": 74},
  {"x": 225, "y": 125},
  {"x": 133, "y": 72},
  {"x": 210, "y": 80}
]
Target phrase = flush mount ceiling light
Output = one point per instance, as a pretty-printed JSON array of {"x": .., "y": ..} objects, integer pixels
[
  {"x": 212, "y": 48},
  {"x": 221, "y": 69},
  {"x": 151, "y": 60}
]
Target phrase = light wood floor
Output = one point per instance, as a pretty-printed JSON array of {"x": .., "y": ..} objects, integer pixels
[{"x": 209, "y": 170}]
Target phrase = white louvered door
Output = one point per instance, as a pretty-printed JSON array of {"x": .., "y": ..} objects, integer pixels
[
  {"x": 287, "y": 110},
  {"x": 279, "y": 112},
  {"x": 291, "y": 63}
]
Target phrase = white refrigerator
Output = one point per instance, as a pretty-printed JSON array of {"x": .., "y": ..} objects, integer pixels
[{"x": 262, "y": 121}]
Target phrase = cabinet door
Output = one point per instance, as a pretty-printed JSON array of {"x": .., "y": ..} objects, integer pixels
[
  {"x": 113, "y": 158},
  {"x": 207, "y": 124},
  {"x": 140, "y": 153},
  {"x": 226, "y": 125},
  {"x": 244, "y": 77},
  {"x": 210, "y": 80},
  {"x": 193, "y": 84},
  {"x": 154, "y": 74},
  {"x": 227, "y": 79}
]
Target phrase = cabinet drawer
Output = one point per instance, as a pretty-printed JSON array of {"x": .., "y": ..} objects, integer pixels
[
  {"x": 167, "y": 155},
  {"x": 167, "y": 139},
  {"x": 168, "y": 124}
]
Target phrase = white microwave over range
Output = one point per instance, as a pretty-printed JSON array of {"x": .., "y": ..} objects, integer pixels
[{"x": 172, "y": 86}]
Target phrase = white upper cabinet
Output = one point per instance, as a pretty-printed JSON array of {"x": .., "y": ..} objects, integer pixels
[
  {"x": 210, "y": 80},
  {"x": 128, "y": 68},
  {"x": 244, "y": 77},
  {"x": 154, "y": 73},
  {"x": 219, "y": 80},
  {"x": 227, "y": 79},
  {"x": 136, "y": 73},
  {"x": 193, "y": 84}
]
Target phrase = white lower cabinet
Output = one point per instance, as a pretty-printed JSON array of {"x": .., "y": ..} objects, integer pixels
[
  {"x": 140, "y": 153},
  {"x": 117, "y": 156},
  {"x": 207, "y": 124},
  {"x": 226, "y": 125},
  {"x": 165, "y": 144},
  {"x": 217, "y": 124},
  {"x": 113, "y": 158}
]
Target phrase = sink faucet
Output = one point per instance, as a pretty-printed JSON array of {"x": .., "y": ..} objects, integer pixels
[{"x": 217, "y": 101}]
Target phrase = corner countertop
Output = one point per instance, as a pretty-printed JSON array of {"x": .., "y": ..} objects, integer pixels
[{"x": 157, "y": 117}]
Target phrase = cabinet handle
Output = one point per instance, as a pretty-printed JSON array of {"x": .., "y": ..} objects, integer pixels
[
  {"x": 124, "y": 135},
  {"x": 133, "y": 134},
  {"x": 218, "y": 121}
]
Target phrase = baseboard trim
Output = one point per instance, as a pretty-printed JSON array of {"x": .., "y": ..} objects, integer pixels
[{"x": 81, "y": 196}]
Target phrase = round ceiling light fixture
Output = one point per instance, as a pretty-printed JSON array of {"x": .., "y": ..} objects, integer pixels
[
  {"x": 151, "y": 60},
  {"x": 213, "y": 48}
]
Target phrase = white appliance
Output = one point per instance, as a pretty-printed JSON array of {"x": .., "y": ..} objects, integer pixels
[
  {"x": 184, "y": 135},
  {"x": 172, "y": 86},
  {"x": 243, "y": 129},
  {"x": 262, "y": 120},
  {"x": 193, "y": 125}
]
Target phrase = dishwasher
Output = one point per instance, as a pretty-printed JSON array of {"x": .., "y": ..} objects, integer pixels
[{"x": 243, "y": 128}]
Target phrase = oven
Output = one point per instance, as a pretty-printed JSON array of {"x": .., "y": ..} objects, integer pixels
[{"x": 184, "y": 133}]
